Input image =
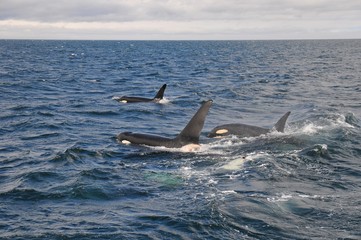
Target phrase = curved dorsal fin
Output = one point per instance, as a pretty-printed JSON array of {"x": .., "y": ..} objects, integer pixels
[
  {"x": 160, "y": 93},
  {"x": 280, "y": 125},
  {"x": 192, "y": 131}
]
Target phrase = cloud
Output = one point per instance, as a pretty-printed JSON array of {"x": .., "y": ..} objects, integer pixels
[
  {"x": 180, "y": 19},
  {"x": 61, "y": 10}
]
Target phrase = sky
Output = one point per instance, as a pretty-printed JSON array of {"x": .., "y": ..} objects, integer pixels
[{"x": 180, "y": 19}]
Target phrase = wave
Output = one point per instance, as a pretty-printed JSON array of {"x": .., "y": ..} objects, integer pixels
[
  {"x": 41, "y": 136},
  {"x": 310, "y": 137},
  {"x": 98, "y": 113},
  {"x": 95, "y": 184},
  {"x": 74, "y": 191}
]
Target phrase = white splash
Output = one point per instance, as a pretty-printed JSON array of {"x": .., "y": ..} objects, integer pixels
[
  {"x": 115, "y": 98},
  {"x": 284, "y": 197},
  {"x": 327, "y": 123},
  {"x": 190, "y": 148},
  {"x": 164, "y": 101},
  {"x": 194, "y": 148},
  {"x": 311, "y": 128}
]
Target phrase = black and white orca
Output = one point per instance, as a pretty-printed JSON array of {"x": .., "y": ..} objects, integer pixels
[
  {"x": 187, "y": 139},
  {"x": 157, "y": 98},
  {"x": 244, "y": 130}
]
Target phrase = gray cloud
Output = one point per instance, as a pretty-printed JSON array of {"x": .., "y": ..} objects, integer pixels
[
  {"x": 62, "y": 10},
  {"x": 184, "y": 18},
  {"x": 132, "y": 10}
]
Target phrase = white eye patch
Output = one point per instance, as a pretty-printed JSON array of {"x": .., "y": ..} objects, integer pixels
[
  {"x": 124, "y": 101},
  {"x": 126, "y": 142},
  {"x": 221, "y": 131}
]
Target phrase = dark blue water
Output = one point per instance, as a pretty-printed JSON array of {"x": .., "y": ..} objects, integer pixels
[{"x": 63, "y": 175}]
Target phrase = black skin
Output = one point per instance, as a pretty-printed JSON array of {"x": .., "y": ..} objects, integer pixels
[
  {"x": 189, "y": 135},
  {"x": 157, "y": 98},
  {"x": 244, "y": 130}
]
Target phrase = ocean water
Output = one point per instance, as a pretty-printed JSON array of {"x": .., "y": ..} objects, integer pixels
[{"x": 63, "y": 175}]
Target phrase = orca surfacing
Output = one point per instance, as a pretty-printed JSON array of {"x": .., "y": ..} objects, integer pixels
[
  {"x": 187, "y": 139},
  {"x": 244, "y": 130},
  {"x": 156, "y": 99}
]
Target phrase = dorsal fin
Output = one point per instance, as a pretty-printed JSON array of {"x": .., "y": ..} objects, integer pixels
[
  {"x": 280, "y": 125},
  {"x": 160, "y": 93},
  {"x": 192, "y": 131}
]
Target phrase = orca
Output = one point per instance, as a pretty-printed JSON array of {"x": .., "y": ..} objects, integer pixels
[
  {"x": 157, "y": 98},
  {"x": 187, "y": 139},
  {"x": 244, "y": 130}
]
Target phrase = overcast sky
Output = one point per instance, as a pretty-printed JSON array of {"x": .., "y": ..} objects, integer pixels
[{"x": 180, "y": 19}]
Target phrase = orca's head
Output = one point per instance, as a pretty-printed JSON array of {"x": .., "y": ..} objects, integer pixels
[
  {"x": 218, "y": 132},
  {"x": 123, "y": 99},
  {"x": 123, "y": 137}
]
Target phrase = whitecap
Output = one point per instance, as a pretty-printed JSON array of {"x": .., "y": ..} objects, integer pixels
[
  {"x": 238, "y": 163},
  {"x": 282, "y": 198},
  {"x": 234, "y": 164}
]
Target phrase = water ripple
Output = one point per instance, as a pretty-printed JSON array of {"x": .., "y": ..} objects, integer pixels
[{"x": 63, "y": 174}]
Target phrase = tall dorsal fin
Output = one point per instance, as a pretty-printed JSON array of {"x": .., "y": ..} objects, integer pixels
[
  {"x": 192, "y": 131},
  {"x": 280, "y": 125},
  {"x": 160, "y": 93}
]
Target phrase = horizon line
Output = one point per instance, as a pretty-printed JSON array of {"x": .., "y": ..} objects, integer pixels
[{"x": 275, "y": 39}]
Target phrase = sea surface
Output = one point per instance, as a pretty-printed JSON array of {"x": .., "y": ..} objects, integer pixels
[{"x": 64, "y": 175}]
